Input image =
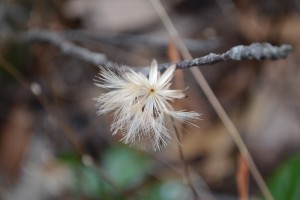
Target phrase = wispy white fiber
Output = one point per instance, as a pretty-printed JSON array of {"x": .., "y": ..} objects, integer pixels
[{"x": 142, "y": 106}]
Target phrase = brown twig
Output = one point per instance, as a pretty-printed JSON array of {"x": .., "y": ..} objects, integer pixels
[{"x": 242, "y": 178}]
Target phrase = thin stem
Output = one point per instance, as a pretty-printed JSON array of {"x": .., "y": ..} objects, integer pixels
[
  {"x": 257, "y": 51},
  {"x": 213, "y": 100},
  {"x": 233, "y": 131},
  {"x": 186, "y": 175}
]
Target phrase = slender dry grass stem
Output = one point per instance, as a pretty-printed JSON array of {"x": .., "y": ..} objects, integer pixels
[
  {"x": 186, "y": 171},
  {"x": 213, "y": 100}
]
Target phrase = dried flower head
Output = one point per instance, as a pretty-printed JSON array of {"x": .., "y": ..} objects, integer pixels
[{"x": 141, "y": 105}]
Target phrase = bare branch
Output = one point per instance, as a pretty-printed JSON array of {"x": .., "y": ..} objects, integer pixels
[
  {"x": 151, "y": 41},
  {"x": 65, "y": 46},
  {"x": 257, "y": 51}
]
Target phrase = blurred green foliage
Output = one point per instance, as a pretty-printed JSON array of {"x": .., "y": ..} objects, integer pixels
[
  {"x": 126, "y": 168},
  {"x": 285, "y": 182},
  {"x": 87, "y": 182},
  {"x": 19, "y": 57}
]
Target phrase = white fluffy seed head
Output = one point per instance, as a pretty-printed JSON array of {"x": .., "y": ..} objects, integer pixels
[{"x": 141, "y": 105}]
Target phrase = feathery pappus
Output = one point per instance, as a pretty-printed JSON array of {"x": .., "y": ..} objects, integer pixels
[{"x": 142, "y": 105}]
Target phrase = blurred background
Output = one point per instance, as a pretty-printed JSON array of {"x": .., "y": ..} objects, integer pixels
[{"x": 54, "y": 146}]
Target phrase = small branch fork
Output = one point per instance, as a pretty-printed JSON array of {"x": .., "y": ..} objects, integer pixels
[{"x": 257, "y": 51}]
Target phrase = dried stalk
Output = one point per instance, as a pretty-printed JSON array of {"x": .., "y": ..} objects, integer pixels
[{"x": 213, "y": 99}]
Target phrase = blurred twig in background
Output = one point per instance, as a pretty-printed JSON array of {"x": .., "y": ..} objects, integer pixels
[
  {"x": 134, "y": 40},
  {"x": 257, "y": 51},
  {"x": 67, "y": 129},
  {"x": 64, "y": 46},
  {"x": 242, "y": 178}
]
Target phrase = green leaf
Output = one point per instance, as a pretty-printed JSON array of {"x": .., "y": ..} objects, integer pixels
[
  {"x": 90, "y": 182},
  {"x": 70, "y": 158},
  {"x": 126, "y": 166},
  {"x": 168, "y": 190},
  {"x": 285, "y": 182},
  {"x": 87, "y": 183}
]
